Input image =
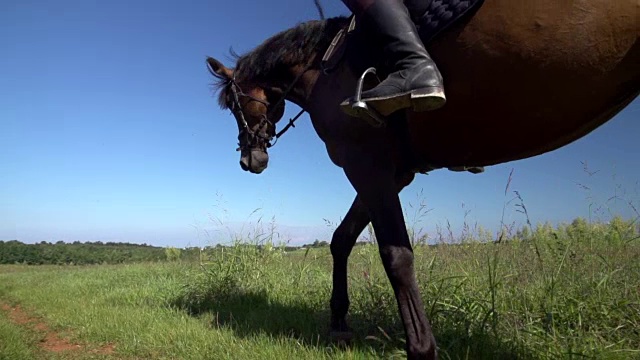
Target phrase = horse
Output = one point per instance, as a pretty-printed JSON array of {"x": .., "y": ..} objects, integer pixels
[{"x": 522, "y": 79}]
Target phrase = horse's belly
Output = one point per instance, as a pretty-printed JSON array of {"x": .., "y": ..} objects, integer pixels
[{"x": 528, "y": 77}]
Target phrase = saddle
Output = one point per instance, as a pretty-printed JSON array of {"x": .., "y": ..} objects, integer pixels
[{"x": 432, "y": 18}]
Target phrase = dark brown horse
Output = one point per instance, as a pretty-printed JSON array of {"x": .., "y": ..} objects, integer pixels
[{"x": 522, "y": 78}]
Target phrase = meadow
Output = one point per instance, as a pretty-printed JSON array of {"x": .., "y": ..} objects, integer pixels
[{"x": 566, "y": 292}]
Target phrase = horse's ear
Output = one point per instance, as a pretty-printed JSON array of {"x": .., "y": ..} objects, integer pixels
[{"x": 217, "y": 69}]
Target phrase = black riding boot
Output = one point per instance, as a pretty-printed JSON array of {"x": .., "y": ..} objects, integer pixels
[{"x": 414, "y": 79}]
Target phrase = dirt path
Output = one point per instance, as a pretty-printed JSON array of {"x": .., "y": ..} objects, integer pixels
[{"x": 50, "y": 340}]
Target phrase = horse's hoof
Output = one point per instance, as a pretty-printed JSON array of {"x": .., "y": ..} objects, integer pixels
[{"x": 341, "y": 338}]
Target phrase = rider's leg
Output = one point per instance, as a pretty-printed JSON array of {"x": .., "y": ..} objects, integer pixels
[{"x": 414, "y": 79}]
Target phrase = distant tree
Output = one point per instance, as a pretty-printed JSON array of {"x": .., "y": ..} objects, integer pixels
[
  {"x": 172, "y": 253},
  {"x": 316, "y": 244}
]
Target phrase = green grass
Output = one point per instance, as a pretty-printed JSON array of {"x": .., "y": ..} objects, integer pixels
[{"x": 571, "y": 292}]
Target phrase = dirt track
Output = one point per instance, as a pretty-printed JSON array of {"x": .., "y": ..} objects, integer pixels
[{"x": 50, "y": 340}]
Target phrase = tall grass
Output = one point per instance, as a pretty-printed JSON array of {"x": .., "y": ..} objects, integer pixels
[{"x": 564, "y": 292}]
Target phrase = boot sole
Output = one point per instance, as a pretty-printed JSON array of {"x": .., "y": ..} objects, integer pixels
[{"x": 420, "y": 100}]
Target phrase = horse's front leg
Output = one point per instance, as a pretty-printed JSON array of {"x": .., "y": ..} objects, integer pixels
[
  {"x": 344, "y": 237},
  {"x": 373, "y": 178}
]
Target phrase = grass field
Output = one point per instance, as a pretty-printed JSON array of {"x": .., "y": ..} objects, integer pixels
[{"x": 571, "y": 292}]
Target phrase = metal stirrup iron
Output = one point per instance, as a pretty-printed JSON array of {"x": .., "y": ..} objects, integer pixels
[{"x": 361, "y": 108}]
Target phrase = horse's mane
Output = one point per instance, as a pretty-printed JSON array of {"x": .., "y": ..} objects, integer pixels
[{"x": 275, "y": 55}]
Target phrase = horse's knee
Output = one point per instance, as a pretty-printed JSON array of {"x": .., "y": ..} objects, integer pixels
[
  {"x": 341, "y": 243},
  {"x": 398, "y": 261}
]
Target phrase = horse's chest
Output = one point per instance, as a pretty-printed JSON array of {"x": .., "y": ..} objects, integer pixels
[{"x": 332, "y": 146}]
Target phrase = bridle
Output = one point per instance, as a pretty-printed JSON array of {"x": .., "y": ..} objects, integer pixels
[{"x": 259, "y": 138}]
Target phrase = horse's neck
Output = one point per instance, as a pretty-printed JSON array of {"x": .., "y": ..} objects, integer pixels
[
  {"x": 306, "y": 73},
  {"x": 298, "y": 85}
]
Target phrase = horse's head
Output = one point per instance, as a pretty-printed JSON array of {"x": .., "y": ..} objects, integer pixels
[{"x": 256, "y": 108}]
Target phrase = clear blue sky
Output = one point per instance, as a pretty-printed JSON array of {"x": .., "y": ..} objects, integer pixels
[{"x": 110, "y": 132}]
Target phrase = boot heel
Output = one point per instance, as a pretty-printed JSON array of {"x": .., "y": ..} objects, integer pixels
[{"x": 428, "y": 99}]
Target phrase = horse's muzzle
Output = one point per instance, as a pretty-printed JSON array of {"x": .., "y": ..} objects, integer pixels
[{"x": 254, "y": 160}]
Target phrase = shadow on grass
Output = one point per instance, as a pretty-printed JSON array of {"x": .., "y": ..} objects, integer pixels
[{"x": 251, "y": 313}]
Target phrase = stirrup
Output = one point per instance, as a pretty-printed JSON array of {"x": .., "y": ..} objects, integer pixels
[{"x": 360, "y": 108}]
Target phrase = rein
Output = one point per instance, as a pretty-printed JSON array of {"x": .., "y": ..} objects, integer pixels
[{"x": 282, "y": 98}]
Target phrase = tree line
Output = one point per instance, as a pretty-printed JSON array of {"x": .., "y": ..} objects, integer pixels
[{"x": 78, "y": 253}]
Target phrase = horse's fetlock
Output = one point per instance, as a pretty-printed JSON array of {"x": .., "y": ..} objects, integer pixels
[{"x": 422, "y": 352}]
